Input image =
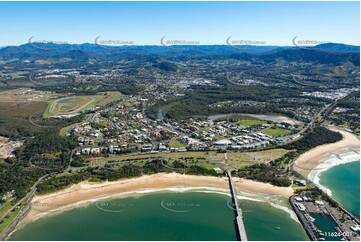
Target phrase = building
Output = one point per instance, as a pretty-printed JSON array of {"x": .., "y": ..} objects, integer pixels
[
  {"x": 222, "y": 142},
  {"x": 300, "y": 182}
]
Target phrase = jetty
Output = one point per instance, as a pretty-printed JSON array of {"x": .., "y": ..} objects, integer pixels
[{"x": 239, "y": 216}]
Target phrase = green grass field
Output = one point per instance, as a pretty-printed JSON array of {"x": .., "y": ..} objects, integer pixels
[
  {"x": 244, "y": 159},
  {"x": 66, "y": 129},
  {"x": 276, "y": 132},
  {"x": 174, "y": 143},
  {"x": 8, "y": 220},
  {"x": 296, "y": 187},
  {"x": 177, "y": 155},
  {"x": 76, "y": 104},
  {"x": 6, "y": 206},
  {"x": 250, "y": 122},
  {"x": 206, "y": 165}
]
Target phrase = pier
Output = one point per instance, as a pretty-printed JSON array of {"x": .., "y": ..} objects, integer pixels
[{"x": 239, "y": 217}]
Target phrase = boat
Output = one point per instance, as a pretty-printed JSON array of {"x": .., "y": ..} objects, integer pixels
[
  {"x": 278, "y": 228},
  {"x": 309, "y": 217}
]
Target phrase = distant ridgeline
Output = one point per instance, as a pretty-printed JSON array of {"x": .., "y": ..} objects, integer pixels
[{"x": 323, "y": 54}]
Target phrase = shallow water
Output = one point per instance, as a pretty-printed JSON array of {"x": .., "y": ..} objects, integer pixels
[
  {"x": 344, "y": 182},
  {"x": 166, "y": 216}
]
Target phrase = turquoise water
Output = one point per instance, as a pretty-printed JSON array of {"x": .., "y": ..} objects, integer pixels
[
  {"x": 344, "y": 182},
  {"x": 325, "y": 224},
  {"x": 264, "y": 222},
  {"x": 167, "y": 216}
]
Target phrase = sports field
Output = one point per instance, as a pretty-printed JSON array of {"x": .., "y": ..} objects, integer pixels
[
  {"x": 276, "y": 132},
  {"x": 75, "y": 104},
  {"x": 250, "y": 122}
]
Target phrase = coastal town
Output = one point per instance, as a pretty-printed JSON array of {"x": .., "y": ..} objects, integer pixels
[
  {"x": 119, "y": 131},
  {"x": 133, "y": 132},
  {"x": 129, "y": 132},
  {"x": 180, "y": 121}
]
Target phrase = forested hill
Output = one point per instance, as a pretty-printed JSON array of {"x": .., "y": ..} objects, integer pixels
[{"x": 333, "y": 54}]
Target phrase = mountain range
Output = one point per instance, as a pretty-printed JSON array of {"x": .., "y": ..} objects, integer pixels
[{"x": 329, "y": 53}]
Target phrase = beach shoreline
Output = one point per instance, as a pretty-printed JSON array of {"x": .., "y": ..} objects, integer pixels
[
  {"x": 86, "y": 192},
  {"x": 330, "y": 162},
  {"x": 321, "y": 158}
]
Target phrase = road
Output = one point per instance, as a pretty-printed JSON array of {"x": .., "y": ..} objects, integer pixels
[{"x": 27, "y": 198}]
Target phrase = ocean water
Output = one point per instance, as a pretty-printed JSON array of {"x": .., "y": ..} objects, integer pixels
[
  {"x": 164, "y": 216},
  {"x": 344, "y": 183}
]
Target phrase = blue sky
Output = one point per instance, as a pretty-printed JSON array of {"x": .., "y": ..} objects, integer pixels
[{"x": 274, "y": 23}]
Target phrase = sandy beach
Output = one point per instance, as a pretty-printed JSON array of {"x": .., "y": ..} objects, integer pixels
[
  {"x": 313, "y": 159},
  {"x": 84, "y": 192},
  {"x": 87, "y": 192}
]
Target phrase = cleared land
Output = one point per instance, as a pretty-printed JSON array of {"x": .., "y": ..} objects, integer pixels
[
  {"x": 174, "y": 143},
  {"x": 176, "y": 155},
  {"x": 76, "y": 104},
  {"x": 204, "y": 164},
  {"x": 235, "y": 159},
  {"x": 20, "y": 97},
  {"x": 249, "y": 158},
  {"x": 7, "y": 147}
]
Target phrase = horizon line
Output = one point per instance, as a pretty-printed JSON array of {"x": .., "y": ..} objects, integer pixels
[{"x": 174, "y": 45}]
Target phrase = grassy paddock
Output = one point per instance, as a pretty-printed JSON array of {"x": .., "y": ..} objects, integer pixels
[
  {"x": 10, "y": 219},
  {"x": 249, "y": 158},
  {"x": 176, "y": 155}
]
